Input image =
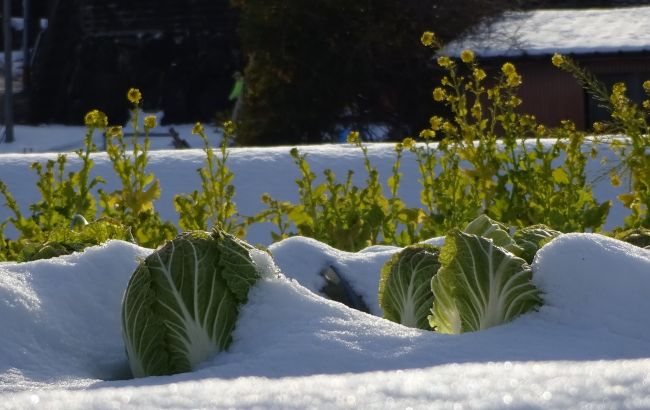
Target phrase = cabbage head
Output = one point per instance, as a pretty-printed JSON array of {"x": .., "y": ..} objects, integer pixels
[
  {"x": 479, "y": 285},
  {"x": 181, "y": 304},
  {"x": 405, "y": 285}
]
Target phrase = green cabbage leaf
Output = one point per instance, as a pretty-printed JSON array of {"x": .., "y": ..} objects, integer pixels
[
  {"x": 532, "y": 238},
  {"x": 488, "y": 228},
  {"x": 405, "y": 285},
  {"x": 182, "y": 302},
  {"x": 479, "y": 285}
]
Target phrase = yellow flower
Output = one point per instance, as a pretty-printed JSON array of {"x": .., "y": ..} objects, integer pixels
[
  {"x": 353, "y": 138},
  {"x": 646, "y": 104},
  {"x": 444, "y": 62},
  {"x": 599, "y": 127},
  {"x": 615, "y": 180},
  {"x": 467, "y": 56},
  {"x": 134, "y": 95},
  {"x": 477, "y": 112},
  {"x": 197, "y": 129},
  {"x": 513, "y": 80},
  {"x": 557, "y": 60},
  {"x": 115, "y": 131},
  {"x": 399, "y": 147},
  {"x": 90, "y": 118},
  {"x": 408, "y": 143},
  {"x": 150, "y": 122},
  {"x": 102, "y": 120},
  {"x": 646, "y": 86},
  {"x": 427, "y": 38},
  {"x": 508, "y": 69},
  {"x": 427, "y": 134},
  {"x": 96, "y": 118},
  {"x": 479, "y": 74},
  {"x": 514, "y": 101},
  {"x": 619, "y": 89},
  {"x": 449, "y": 128},
  {"x": 229, "y": 128},
  {"x": 438, "y": 94},
  {"x": 435, "y": 122}
]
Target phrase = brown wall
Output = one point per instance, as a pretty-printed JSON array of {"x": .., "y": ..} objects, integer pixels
[
  {"x": 550, "y": 94},
  {"x": 553, "y": 95}
]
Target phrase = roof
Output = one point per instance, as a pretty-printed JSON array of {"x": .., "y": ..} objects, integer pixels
[{"x": 568, "y": 31}]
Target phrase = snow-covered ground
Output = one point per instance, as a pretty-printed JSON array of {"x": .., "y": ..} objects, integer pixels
[{"x": 61, "y": 344}]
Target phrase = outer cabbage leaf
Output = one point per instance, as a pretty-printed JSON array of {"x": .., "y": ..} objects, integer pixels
[
  {"x": 532, "y": 238},
  {"x": 488, "y": 228},
  {"x": 181, "y": 304},
  {"x": 479, "y": 285},
  {"x": 405, "y": 285}
]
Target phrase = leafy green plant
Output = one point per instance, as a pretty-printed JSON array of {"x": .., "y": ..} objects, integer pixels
[
  {"x": 339, "y": 213},
  {"x": 66, "y": 240},
  {"x": 485, "y": 160},
  {"x": 405, "y": 285},
  {"x": 214, "y": 205},
  {"x": 182, "y": 302},
  {"x": 133, "y": 204},
  {"x": 62, "y": 194},
  {"x": 631, "y": 120},
  {"x": 479, "y": 285}
]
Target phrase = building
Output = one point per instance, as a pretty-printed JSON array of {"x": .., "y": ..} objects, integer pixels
[
  {"x": 180, "y": 53},
  {"x": 612, "y": 43}
]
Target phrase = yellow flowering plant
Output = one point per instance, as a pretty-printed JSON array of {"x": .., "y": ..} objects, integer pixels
[
  {"x": 631, "y": 120},
  {"x": 214, "y": 205},
  {"x": 133, "y": 204},
  {"x": 488, "y": 135}
]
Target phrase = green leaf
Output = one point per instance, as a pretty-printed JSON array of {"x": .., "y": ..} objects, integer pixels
[
  {"x": 479, "y": 285},
  {"x": 560, "y": 176},
  {"x": 488, "y": 228},
  {"x": 532, "y": 238},
  {"x": 405, "y": 285},
  {"x": 181, "y": 304}
]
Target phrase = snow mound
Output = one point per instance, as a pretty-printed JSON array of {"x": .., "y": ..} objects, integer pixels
[
  {"x": 61, "y": 344},
  {"x": 593, "y": 281},
  {"x": 60, "y": 318}
]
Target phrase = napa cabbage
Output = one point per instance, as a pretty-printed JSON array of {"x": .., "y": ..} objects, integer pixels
[
  {"x": 405, "y": 285},
  {"x": 479, "y": 285},
  {"x": 182, "y": 302}
]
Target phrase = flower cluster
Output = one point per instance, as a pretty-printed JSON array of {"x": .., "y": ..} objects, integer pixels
[
  {"x": 467, "y": 56},
  {"x": 96, "y": 119},
  {"x": 428, "y": 38},
  {"x": 134, "y": 96},
  {"x": 149, "y": 122},
  {"x": 197, "y": 129},
  {"x": 513, "y": 79},
  {"x": 229, "y": 128},
  {"x": 354, "y": 138}
]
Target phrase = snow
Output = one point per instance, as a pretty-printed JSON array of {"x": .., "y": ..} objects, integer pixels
[
  {"x": 587, "y": 347},
  {"x": 61, "y": 345},
  {"x": 544, "y": 32}
]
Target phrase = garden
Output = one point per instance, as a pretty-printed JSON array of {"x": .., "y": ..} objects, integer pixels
[{"x": 487, "y": 262}]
